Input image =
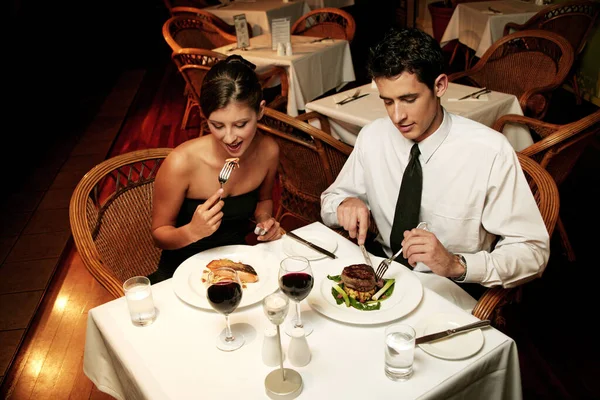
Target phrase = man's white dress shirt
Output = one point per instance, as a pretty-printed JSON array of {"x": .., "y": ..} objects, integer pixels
[{"x": 474, "y": 190}]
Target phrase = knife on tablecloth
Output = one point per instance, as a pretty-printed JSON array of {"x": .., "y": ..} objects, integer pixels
[
  {"x": 450, "y": 332},
  {"x": 311, "y": 245}
]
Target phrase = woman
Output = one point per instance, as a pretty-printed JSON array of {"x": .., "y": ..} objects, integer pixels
[{"x": 191, "y": 212}]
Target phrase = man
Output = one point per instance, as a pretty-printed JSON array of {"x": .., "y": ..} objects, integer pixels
[{"x": 483, "y": 223}]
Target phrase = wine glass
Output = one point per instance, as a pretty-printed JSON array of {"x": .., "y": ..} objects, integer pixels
[
  {"x": 296, "y": 281},
  {"x": 224, "y": 293}
]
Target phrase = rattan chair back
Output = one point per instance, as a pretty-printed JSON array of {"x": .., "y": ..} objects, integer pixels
[
  {"x": 111, "y": 217},
  {"x": 544, "y": 189},
  {"x": 309, "y": 161},
  {"x": 529, "y": 64},
  {"x": 188, "y": 31},
  {"x": 326, "y": 22}
]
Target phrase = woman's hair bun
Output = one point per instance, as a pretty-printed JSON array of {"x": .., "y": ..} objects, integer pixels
[{"x": 235, "y": 58}]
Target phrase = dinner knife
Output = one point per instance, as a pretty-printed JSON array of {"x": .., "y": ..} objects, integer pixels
[
  {"x": 450, "y": 332},
  {"x": 473, "y": 94},
  {"x": 348, "y": 100},
  {"x": 311, "y": 245}
]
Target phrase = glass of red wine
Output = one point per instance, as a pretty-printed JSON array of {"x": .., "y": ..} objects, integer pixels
[
  {"x": 224, "y": 293},
  {"x": 296, "y": 281}
]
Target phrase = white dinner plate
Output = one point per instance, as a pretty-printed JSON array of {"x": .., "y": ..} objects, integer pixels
[
  {"x": 454, "y": 347},
  {"x": 187, "y": 279},
  {"x": 292, "y": 247},
  {"x": 407, "y": 295}
]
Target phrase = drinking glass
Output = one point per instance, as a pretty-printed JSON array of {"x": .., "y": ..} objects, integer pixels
[
  {"x": 138, "y": 293},
  {"x": 399, "y": 344},
  {"x": 224, "y": 293},
  {"x": 296, "y": 281}
]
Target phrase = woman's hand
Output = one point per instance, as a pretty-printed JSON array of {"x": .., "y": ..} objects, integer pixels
[
  {"x": 271, "y": 226},
  {"x": 207, "y": 217}
]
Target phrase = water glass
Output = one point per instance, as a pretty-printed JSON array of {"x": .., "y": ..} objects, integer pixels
[
  {"x": 138, "y": 293},
  {"x": 399, "y": 351}
]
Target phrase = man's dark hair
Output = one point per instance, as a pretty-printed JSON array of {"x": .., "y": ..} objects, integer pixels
[{"x": 407, "y": 50}]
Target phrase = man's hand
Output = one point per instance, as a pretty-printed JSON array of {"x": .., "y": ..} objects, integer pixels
[
  {"x": 353, "y": 216},
  {"x": 423, "y": 246}
]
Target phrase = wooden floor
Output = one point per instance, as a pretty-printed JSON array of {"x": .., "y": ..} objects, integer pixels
[{"x": 558, "y": 360}]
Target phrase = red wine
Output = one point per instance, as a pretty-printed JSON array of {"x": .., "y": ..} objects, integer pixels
[
  {"x": 296, "y": 285},
  {"x": 224, "y": 296}
]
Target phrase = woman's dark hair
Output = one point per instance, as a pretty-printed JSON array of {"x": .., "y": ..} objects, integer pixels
[
  {"x": 230, "y": 80},
  {"x": 407, "y": 50}
]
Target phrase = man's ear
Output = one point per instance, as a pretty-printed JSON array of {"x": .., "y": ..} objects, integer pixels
[
  {"x": 440, "y": 85},
  {"x": 261, "y": 109}
]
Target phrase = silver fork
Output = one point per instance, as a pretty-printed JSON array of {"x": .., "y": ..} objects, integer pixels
[
  {"x": 385, "y": 264},
  {"x": 226, "y": 172}
]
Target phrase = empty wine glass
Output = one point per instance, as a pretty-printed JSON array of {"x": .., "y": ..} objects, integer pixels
[
  {"x": 296, "y": 281},
  {"x": 224, "y": 293}
]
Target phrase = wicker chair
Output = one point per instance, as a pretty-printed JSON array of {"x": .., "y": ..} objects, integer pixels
[
  {"x": 186, "y": 31},
  {"x": 111, "y": 216},
  {"x": 203, "y": 14},
  {"x": 490, "y": 304},
  {"x": 558, "y": 150},
  {"x": 572, "y": 19},
  {"x": 193, "y": 64},
  {"x": 529, "y": 64},
  {"x": 326, "y": 22},
  {"x": 309, "y": 161}
]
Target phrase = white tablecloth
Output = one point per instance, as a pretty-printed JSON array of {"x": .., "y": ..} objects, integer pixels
[
  {"x": 314, "y": 4},
  {"x": 259, "y": 14},
  {"x": 347, "y": 120},
  {"x": 176, "y": 358},
  {"x": 475, "y": 26},
  {"x": 313, "y": 69}
]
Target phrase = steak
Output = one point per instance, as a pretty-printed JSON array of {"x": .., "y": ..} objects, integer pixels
[{"x": 360, "y": 277}]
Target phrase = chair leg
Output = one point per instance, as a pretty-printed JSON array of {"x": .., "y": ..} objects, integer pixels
[
  {"x": 564, "y": 238},
  {"x": 186, "y": 114},
  {"x": 456, "y": 46}
]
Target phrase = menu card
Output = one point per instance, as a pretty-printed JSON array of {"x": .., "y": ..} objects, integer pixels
[
  {"x": 280, "y": 32},
  {"x": 241, "y": 31}
]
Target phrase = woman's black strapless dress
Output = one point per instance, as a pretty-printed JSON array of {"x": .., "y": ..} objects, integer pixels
[{"x": 237, "y": 212}]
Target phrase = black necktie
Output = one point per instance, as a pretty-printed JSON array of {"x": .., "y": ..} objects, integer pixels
[{"x": 409, "y": 202}]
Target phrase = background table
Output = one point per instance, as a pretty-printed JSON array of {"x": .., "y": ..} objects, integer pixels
[
  {"x": 176, "y": 357},
  {"x": 259, "y": 14},
  {"x": 475, "y": 26},
  {"x": 314, "y": 69},
  {"x": 347, "y": 120}
]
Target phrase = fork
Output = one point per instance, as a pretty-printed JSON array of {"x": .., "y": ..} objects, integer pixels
[
  {"x": 385, "y": 264},
  {"x": 226, "y": 172},
  {"x": 481, "y": 94}
]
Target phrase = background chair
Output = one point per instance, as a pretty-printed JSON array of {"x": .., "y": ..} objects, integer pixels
[
  {"x": 111, "y": 217},
  {"x": 544, "y": 189},
  {"x": 572, "y": 19},
  {"x": 309, "y": 161},
  {"x": 558, "y": 150},
  {"x": 185, "y": 31},
  {"x": 326, "y": 22},
  {"x": 193, "y": 64},
  {"x": 529, "y": 64},
  {"x": 203, "y": 14}
]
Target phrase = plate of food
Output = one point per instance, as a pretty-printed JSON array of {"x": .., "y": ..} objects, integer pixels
[
  {"x": 256, "y": 268},
  {"x": 348, "y": 292},
  {"x": 453, "y": 347},
  {"x": 292, "y": 247}
]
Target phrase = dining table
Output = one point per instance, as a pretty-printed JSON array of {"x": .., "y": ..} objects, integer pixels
[
  {"x": 346, "y": 120},
  {"x": 260, "y": 13},
  {"x": 479, "y": 24},
  {"x": 176, "y": 357},
  {"x": 316, "y": 66}
]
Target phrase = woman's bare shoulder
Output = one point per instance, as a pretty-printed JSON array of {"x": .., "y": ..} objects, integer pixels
[
  {"x": 186, "y": 156},
  {"x": 268, "y": 146}
]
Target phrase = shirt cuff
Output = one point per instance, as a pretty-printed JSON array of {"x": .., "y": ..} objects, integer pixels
[{"x": 475, "y": 267}]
